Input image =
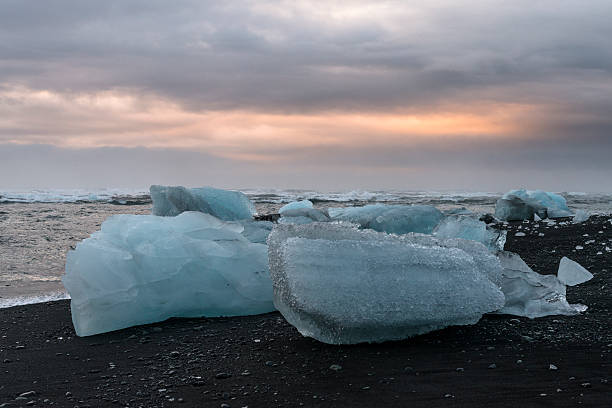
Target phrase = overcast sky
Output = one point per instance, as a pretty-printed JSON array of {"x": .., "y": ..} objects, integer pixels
[{"x": 483, "y": 95}]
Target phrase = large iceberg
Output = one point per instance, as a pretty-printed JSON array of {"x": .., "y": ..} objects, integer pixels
[
  {"x": 524, "y": 204},
  {"x": 392, "y": 219},
  {"x": 530, "y": 294},
  {"x": 141, "y": 269},
  {"x": 341, "y": 285},
  {"x": 471, "y": 228},
  {"x": 224, "y": 204}
]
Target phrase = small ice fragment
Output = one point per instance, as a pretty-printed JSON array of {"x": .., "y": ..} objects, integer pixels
[
  {"x": 590, "y": 241},
  {"x": 541, "y": 234},
  {"x": 581, "y": 216},
  {"x": 572, "y": 273},
  {"x": 536, "y": 217},
  {"x": 579, "y": 247},
  {"x": 519, "y": 234}
]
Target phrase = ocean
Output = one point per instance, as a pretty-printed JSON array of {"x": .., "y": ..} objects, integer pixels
[{"x": 38, "y": 227}]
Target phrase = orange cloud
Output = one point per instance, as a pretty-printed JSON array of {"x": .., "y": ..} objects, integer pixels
[{"x": 118, "y": 118}]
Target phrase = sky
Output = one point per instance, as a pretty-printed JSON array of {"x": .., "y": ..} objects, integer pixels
[{"x": 327, "y": 95}]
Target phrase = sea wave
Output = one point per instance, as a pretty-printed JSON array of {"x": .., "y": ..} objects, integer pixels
[
  {"x": 29, "y": 300},
  {"x": 117, "y": 196}
]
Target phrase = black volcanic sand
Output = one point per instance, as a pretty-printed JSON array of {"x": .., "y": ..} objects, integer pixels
[{"x": 261, "y": 361}]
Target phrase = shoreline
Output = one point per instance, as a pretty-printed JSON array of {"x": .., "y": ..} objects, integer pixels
[{"x": 261, "y": 361}]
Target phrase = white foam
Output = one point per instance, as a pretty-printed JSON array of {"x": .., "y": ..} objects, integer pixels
[
  {"x": 29, "y": 300},
  {"x": 69, "y": 195}
]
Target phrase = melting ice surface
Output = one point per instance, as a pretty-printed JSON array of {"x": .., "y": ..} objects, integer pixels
[
  {"x": 141, "y": 269},
  {"x": 392, "y": 219},
  {"x": 223, "y": 204},
  {"x": 341, "y": 285},
  {"x": 471, "y": 228},
  {"x": 523, "y": 204},
  {"x": 530, "y": 294}
]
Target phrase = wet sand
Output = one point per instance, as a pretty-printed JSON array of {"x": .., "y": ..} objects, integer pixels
[{"x": 261, "y": 361}]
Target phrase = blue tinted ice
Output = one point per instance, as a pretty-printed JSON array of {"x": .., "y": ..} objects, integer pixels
[
  {"x": 223, "y": 204},
  {"x": 392, "y": 219},
  {"x": 523, "y": 204},
  {"x": 342, "y": 285},
  {"x": 530, "y": 294},
  {"x": 141, "y": 269},
  {"x": 469, "y": 227},
  {"x": 295, "y": 205}
]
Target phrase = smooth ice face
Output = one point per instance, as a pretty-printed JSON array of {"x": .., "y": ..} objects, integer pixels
[
  {"x": 580, "y": 216},
  {"x": 223, "y": 204},
  {"x": 341, "y": 285},
  {"x": 571, "y": 273},
  {"x": 392, "y": 219},
  {"x": 530, "y": 294},
  {"x": 295, "y": 205},
  {"x": 256, "y": 231},
  {"x": 142, "y": 269},
  {"x": 303, "y": 215},
  {"x": 522, "y": 204},
  {"x": 471, "y": 228}
]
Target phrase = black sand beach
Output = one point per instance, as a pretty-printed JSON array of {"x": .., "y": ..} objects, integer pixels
[{"x": 261, "y": 361}]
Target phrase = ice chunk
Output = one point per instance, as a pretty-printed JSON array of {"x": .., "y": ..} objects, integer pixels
[
  {"x": 580, "y": 216},
  {"x": 141, "y": 269},
  {"x": 295, "y": 205},
  {"x": 304, "y": 215},
  {"x": 393, "y": 219},
  {"x": 530, "y": 294},
  {"x": 515, "y": 209},
  {"x": 572, "y": 273},
  {"x": 342, "y": 285},
  {"x": 523, "y": 204},
  {"x": 223, "y": 204},
  {"x": 469, "y": 227}
]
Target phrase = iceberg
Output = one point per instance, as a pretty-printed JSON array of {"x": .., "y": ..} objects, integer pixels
[
  {"x": 530, "y": 294},
  {"x": 223, "y": 204},
  {"x": 392, "y": 219},
  {"x": 518, "y": 205},
  {"x": 471, "y": 228},
  {"x": 141, "y": 269},
  {"x": 295, "y": 205},
  {"x": 342, "y": 285},
  {"x": 571, "y": 273}
]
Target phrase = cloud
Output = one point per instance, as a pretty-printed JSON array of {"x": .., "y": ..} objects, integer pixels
[
  {"x": 296, "y": 56},
  {"x": 388, "y": 88}
]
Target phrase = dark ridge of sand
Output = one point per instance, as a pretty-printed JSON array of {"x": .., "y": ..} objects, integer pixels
[{"x": 261, "y": 361}]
